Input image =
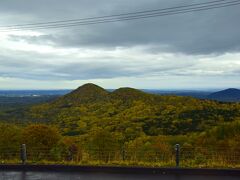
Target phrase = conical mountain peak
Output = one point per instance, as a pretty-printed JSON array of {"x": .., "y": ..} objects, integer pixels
[
  {"x": 86, "y": 93},
  {"x": 89, "y": 88}
]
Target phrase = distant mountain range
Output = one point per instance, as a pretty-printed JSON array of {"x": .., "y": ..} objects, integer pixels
[
  {"x": 227, "y": 95},
  {"x": 33, "y": 93}
]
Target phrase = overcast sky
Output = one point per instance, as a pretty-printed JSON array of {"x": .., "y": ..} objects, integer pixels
[{"x": 199, "y": 50}]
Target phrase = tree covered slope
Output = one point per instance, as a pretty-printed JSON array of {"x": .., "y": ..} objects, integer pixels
[{"x": 131, "y": 112}]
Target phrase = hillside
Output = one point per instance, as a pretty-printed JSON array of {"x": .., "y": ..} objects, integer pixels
[
  {"x": 127, "y": 123},
  {"x": 228, "y": 95},
  {"x": 131, "y": 112}
]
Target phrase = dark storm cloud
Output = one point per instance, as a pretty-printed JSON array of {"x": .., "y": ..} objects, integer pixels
[{"x": 207, "y": 32}]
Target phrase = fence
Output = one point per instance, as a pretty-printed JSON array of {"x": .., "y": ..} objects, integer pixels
[{"x": 176, "y": 157}]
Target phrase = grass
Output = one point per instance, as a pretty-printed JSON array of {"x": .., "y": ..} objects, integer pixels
[{"x": 195, "y": 163}]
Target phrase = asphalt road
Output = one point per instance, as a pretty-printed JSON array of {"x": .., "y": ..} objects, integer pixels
[{"x": 9, "y": 175}]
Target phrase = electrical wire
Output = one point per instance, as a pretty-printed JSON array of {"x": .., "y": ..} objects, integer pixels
[{"x": 124, "y": 17}]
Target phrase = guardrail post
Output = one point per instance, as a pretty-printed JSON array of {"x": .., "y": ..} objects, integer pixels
[
  {"x": 177, "y": 150},
  {"x": 23, "y": 153}
]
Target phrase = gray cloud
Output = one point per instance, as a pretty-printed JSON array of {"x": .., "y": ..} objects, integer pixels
[
  {"x": 199, "y": 43},
  {"x": 103, "y": 65},
  {"x": 215, "y": 31}
]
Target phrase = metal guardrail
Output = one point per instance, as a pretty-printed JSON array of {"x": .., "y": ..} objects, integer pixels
[{"x": 178, "y": 157}]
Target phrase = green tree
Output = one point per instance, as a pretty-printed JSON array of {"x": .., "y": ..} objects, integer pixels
[
  {"x": 102, "y": 144},
  {"x": 40, "y": 139},
  {"x": 10, "y": 140}
]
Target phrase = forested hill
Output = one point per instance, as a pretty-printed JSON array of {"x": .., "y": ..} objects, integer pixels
[
  {"x": 227, "y": 95},
  {"x": 131, "y": 112}
]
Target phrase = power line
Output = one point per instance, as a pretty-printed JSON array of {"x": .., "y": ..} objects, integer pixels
[
  {"x": 131, "y": 18},
  {"x": 115, "y": 15},
  {"x": 125, "y": 17},
  {"x": 146, "y": 15}
]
